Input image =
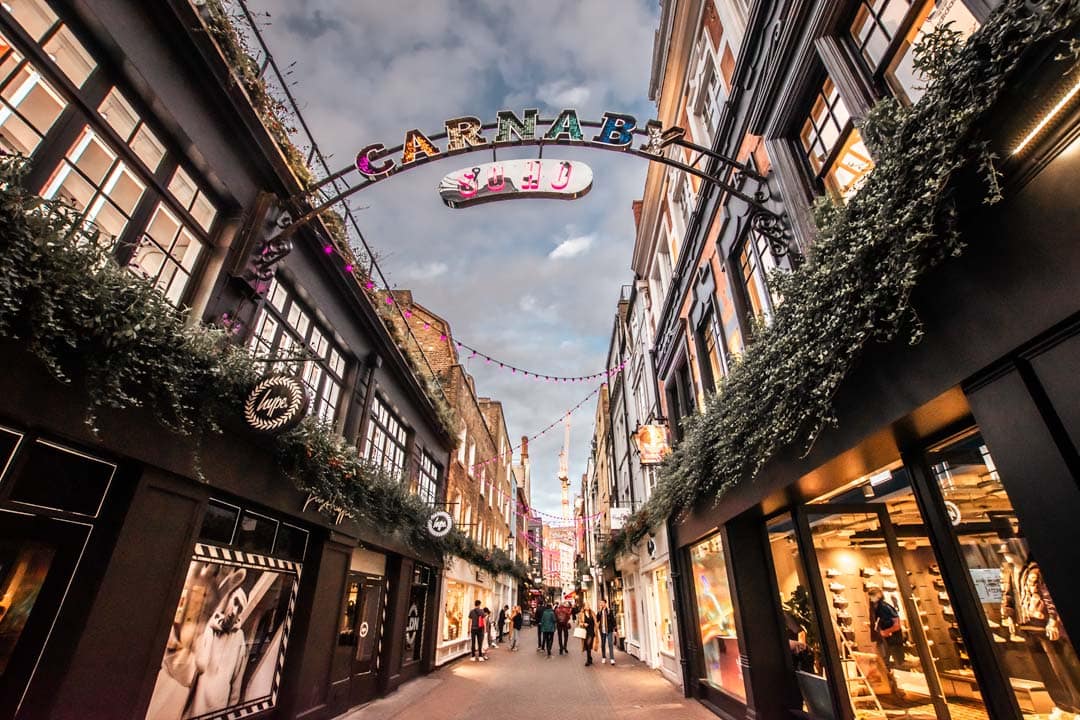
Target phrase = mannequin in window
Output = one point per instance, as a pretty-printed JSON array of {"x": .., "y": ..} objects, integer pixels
[{"x": 1029, "y": 611}]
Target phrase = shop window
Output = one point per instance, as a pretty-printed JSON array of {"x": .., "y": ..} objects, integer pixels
[
  {"x": 283, "y": 330},
  {"x": 716, "y": 617},
  {"x": 453, "y": 611},
  {"x": 59, "y": 478},
  {"x": 24, "y": 566},
  {"x": 219, "y": 523},
  {"x": 887, "y": 31},
  {"x": 386, "y": 437},
  {"x": 97, "y": 183},
  {"x": 116, "y": 111},
  {"x": 30, "y": 105},
  {"x": 666, "y": 625},
  {"x": 428, "y": 479},
  {"x": 1030, "y": 639},
  {"x": 256, "y": 533},
  {"x": 888, "y": 605},
  {"x": 833, "y": 145},
  {"x": 800, "y": 623}
]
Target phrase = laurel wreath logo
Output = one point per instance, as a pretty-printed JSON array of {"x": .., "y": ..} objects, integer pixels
[{"x": 292, "y": 412}]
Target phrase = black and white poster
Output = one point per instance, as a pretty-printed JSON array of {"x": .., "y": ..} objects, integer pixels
[{"x": 227, "y": 642}]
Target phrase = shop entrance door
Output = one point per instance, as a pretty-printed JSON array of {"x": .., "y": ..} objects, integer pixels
[
  {"x": 856, "y": 549},
  {"x": 360, "y": 632}
]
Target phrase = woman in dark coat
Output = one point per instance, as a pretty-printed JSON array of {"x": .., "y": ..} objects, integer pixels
[{"x": 588, "y": 621}]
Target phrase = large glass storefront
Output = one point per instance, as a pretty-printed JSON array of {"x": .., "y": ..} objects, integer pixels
[
  {"x": 716, "y": 617},
  {"x": 871, "y": 621},
  {"x": 662, "y": 602}
]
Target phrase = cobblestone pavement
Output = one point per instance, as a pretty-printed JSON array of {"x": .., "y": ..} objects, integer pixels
[{"x": 524, "y": 685}]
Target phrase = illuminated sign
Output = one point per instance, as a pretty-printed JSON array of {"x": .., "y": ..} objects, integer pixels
[
  {"x": 652, "y": 444},
  {"x": 619, "y": 516},
  {"x": 539, "y": 178},
  {"x": 466, "y": 134},
  {"x": 276, "y": 404}
]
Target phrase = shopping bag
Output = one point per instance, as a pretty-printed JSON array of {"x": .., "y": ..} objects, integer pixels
[{"x": 579, "y": 632}]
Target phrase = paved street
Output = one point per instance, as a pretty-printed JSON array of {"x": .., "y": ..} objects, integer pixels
[{"x": 525, "y": 685}]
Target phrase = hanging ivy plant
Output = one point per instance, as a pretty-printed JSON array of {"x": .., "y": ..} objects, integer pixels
[{"x": 855, "y": 286}]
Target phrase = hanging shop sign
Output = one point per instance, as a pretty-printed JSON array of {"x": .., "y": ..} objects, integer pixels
[
  {"x": 439, "y": 524},
  {"x": 412, "y": 626},
  {"x": 619, "y": 516},
  {"x": 652, "y": 443},
  {"x": 512, "y": 179},
  {"x": 276, "y": 404}
]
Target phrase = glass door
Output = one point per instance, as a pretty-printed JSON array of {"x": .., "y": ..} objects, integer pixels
[{"x": 877, "y": 628}]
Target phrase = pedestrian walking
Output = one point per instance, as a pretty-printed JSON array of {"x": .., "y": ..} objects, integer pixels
[
  {"x": 606, "y": 624},
  {"x": 476, "y": 633},
  {"x": 547, "y": 627},
  {"x": 489, "y": 627},
  {"x": 515, "y": 627},
  {"x": 563, "y": 615},
  {"x": 588, "y": 621},
  {"x": 502, "y": 622}
]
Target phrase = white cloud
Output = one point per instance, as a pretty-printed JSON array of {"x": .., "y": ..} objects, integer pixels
[
  {"x": 571, "y": 247},
  {"x": 562, "y": 94},
  {"x": 427, "y": 271}
]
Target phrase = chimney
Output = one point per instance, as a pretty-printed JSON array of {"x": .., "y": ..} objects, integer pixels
[
  {"x": 524, "y": 448},
  {"x": 636, "y": 205}
]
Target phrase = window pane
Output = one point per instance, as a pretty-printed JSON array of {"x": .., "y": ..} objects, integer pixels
[
  {"x": 148, "y": 147},
  {"x": 901, "y": 75},
  {"x": 119, "y": 114},
  {"x": 203, "y": 211},
  {"x": 183, "y": 187},
  {"x": 716, "y": 615},
  {"x": 255, "y": 533},
  {"x": 71, "y": 56},
  {"x": 30, "y": 108},
  {"x": 26, "y": 565},
  {"x": 219, "y": 523},
  {"x": 850, "y": 168},
  {"x": 35, "y": 16},
  {"x": 1030, "y": 639}
]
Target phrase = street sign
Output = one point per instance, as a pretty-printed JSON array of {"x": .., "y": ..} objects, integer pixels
[
  {"x": 512, "y": 179},
  {"x": 440, "y": 523}
]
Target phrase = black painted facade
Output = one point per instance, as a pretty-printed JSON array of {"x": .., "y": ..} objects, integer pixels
[{"x": 120, "y": 524}]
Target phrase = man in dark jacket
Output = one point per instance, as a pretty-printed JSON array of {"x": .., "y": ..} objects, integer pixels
[
  {"x": 562, "y": 622},
  {"x": 502, "y": 622},
  {"x": 606, "y": 624},
  {"x": 476, "y": 632}
]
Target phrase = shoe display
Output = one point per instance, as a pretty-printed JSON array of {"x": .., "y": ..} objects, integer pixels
[
  {"x": 844, "y": 621},
  {"x": 837, "y": 587},
  {"x": 934, "y": 570},
  {"x": 888, "y": 585},
  {"x": 885, "y": 570},
  {"x": 832, "y": 572},
  {"x": 866, "y": 572},
  {"x": 943, "y": 597},
  {"x": 939, "y": 583},
  {"x": 840, "y": 602}
]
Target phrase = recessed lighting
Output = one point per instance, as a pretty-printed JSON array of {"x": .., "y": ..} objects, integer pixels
[{"x": 1048, "y": 117}]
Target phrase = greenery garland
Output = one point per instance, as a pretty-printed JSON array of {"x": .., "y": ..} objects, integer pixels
[
  {"x": 856, "y": 284},
  {"x": 98, "y": 325}
]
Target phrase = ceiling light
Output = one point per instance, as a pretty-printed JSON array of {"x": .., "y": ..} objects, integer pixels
[{"x": 880, "y": 477}]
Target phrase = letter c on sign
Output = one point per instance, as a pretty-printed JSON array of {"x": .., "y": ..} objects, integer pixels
[{"x": 367, "y": 168}]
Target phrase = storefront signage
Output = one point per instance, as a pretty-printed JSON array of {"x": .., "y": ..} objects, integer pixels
[
  {"x": 619, "y": 516},
  {"x": 466, "y": 134},
  {"x": 652, "y": 443},
  {"x": 276, "y": 404},
  {"x": 954, "y": 512},
  {"x": 511, "y": 179},
  {"x": 327, "y": 508},
  {"x": 650, "y": 547},
  {"x": 439, "y": 524},
  {"x": 412, "y": 626}
]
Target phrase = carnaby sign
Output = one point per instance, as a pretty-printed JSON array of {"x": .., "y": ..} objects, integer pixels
[
  {"x": 276, "y": 404},
  {"x": 510, "y": 179},
  {"x": 467, "y": 134}
]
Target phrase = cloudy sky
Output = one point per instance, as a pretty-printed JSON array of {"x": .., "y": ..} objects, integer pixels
[{"x": 533, "y": 282}]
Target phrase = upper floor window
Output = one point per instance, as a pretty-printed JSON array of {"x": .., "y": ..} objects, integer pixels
[
  {"x": 28, "y": 104},
  {"x": 43, "y": 26},
  {"x": 755, "y": 262},
  {"x": 385, "y": 442},
  {"x": 427, "y": 485},
  {"x": 886, "y": 32},
  {"x": 713, "y": 365},
  {"x": 284, "y": 330},
  {"x": 833, "y": 144}
]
